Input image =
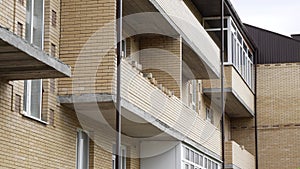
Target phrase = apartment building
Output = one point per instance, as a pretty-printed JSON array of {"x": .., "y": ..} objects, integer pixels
[
  {"x": 58, "y": 85},
  {"x": 277, "y": 98}
]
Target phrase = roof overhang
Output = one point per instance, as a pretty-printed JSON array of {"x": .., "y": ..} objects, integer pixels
[{"x": 20, "y": 61}]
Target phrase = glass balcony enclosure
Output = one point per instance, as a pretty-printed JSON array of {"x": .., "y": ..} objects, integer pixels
[{"x": 237, "y": 51}]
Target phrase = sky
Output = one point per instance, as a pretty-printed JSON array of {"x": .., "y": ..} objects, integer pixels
[{"x": 280, "y": 16}]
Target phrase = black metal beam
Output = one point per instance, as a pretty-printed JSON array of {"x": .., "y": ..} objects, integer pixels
[
  {"x": 255, "y": 109},
  {"x": 118, "y": 94},
  {"x": 222, "y": 84}
]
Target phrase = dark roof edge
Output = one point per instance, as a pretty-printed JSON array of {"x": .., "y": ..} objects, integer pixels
[
  {"x": 240, "y": 24},
  {"x": 278, "y": 34}
]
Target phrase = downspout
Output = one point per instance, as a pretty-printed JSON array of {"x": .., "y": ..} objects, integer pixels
[
  {"x": 255, "y": 109},
  {"x": 222, "y": 84},
  {"x": 118, "y": 94}
]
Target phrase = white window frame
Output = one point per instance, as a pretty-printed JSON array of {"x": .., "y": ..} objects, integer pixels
[
  {"x": 209, "y": 115},
  {"x": 192, "y": 94},
  {"x": 192, "y": 163},
  {"x": 237, "y": 56},
  {"x": 27, "y": 112},
  {"x": 81, "y": 152},
  {"x": 123, "y": 157},
  {"x": 28, "y": 99}
]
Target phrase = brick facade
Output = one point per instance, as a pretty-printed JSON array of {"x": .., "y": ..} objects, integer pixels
[
  {"x": 278, "y": 115},
  {"x": 83, "y": 35}
]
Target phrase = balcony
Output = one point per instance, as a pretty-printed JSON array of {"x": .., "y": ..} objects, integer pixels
[
  {"x": 19, "y": 60},
  {"x": 239, "y": 97},
  {"x": 174, "y": 19},
  {"x": 237, "y": 157},
  {"x": 149, "y": 110}
]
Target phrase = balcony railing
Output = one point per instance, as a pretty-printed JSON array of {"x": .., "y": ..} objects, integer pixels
[
  {"x": 167, "y": 108},
  {"x": 237, "y": 156}
]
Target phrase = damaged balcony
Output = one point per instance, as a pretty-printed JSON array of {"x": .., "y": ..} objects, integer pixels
[{"x": 20, "y": 61}]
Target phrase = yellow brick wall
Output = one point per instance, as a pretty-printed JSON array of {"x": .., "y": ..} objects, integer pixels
[
  {"x": 7, "y": 14},
  {"x": 26, "y": 143},
  {"x": 52, "y": 33},
  {"x": 163, "y": 61},
  {"x": 12, "y": 12},
  {"x": 242, "y": 132},
  {"x": 278, "y": 115},
  {"x": 237, "y": 155},
  {"x": 93, "y": 71}
]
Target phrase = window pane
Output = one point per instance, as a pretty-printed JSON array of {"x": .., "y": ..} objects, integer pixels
[
  {"x": 38, "y": 23},
  {"x": 197, "y": 159},
  {"x": 36, "y": 97},
  {"x": 187, "y": 153},
  {"x": 201, "y": 160},
  {"x": 123, "y": 159},
  {"x": 28, "y": 20},
  {"x": 192, "y": 156},
  {"x": 25, "y": 96}
]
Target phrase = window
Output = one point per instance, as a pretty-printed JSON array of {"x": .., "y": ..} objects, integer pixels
[
  {"x": 209, "y": 115},
  {"x": 123, "y": 158},
  {"x": 53, "y": 50},
  {"x": 124, "y": 49},
  {"x": 33, "y": 98},
  {"x": 35, "y": 22},
  {"x": 21, "y": 2},
  {"x": 20, "y": 29},
  {"x": 195, "y": 159},
  {"x": 54, "y": 18},
  {"x": 82, "y": 154},
  {"x": 34, "y": 34},
  {"x": 193, "y": 94}
]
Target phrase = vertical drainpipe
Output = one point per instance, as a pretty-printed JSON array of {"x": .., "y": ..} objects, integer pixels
[
  {"x": 118, "y": 94},
  {"x": 255, "y": 108},
  {"x": 222, "y": 84}
]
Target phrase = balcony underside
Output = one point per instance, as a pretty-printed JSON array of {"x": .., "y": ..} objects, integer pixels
[
  {"x": 103, "y": 111},
  {"x": 20, "y": 60},
  {"x": 234, "y": 105}
]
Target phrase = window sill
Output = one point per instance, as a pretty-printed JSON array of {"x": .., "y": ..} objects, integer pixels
[{"x": 34, "y": 118}]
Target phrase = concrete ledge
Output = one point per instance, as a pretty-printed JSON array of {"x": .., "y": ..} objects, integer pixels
[
  {"x": 21, "y": 60},
  {"x": 212, "y": 92}
]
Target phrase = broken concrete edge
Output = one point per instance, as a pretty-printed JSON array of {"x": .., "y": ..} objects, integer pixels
[{"x": 34, "y": 52}]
